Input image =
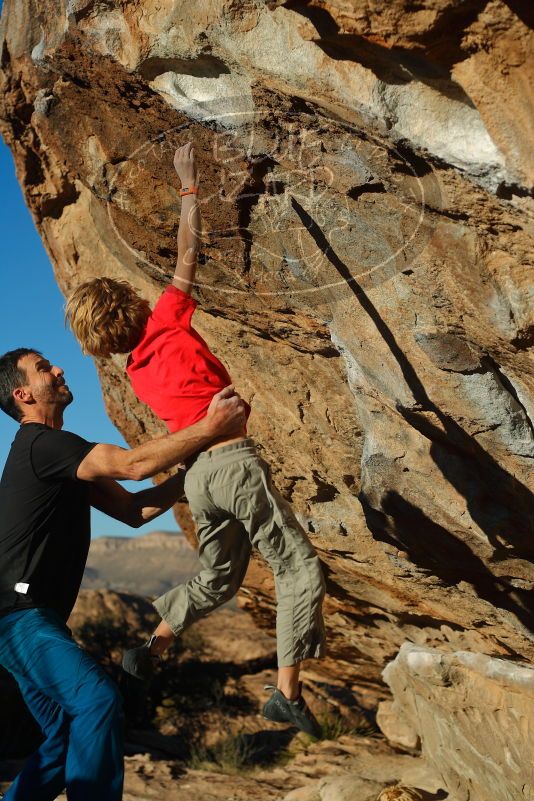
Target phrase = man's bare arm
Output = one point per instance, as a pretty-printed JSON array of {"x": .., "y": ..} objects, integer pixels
[
  {"x": 225, "y": 417},
  {"x": 189, "y": 227},
  {"x": 136, "y": 508}
]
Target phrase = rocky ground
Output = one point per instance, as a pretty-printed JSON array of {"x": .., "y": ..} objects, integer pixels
[{"x": 198, "y": 730}]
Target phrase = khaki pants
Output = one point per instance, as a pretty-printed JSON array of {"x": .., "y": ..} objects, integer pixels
[{"x": 235, "y": 507}]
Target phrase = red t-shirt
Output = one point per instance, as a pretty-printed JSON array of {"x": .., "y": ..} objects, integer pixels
[{"x": 172, "y": 369}]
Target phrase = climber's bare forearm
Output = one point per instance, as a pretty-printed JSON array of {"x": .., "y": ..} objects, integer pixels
[
  {"x": 189, "y": 228},
  {"x": 188, "y": 244}
]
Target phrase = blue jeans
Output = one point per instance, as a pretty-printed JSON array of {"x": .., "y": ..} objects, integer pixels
[{"x": 76, "y": 705}]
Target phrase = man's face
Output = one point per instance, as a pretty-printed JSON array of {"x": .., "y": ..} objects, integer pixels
[{"x": 45, "y": 384}]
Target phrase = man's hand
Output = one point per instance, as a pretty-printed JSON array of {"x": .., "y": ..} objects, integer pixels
[
  {"x": 185, "y": 165},
  {"x": 226, "y": 414}
]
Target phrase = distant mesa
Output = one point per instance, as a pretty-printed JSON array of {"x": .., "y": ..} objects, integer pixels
[{"x": 148, "y": 565}]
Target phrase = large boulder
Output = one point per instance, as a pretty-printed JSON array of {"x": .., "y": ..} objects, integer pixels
[{"x": 472, "y": 714}]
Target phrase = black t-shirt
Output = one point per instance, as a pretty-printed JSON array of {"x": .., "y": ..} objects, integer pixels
[{"x": 45, "y": 526}]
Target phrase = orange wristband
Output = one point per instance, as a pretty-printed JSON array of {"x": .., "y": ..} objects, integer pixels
[{"x": 188, "y": 190}]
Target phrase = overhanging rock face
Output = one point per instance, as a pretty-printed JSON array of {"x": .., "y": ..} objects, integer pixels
[
  {"x": 367, "y": 233},
  {"x": 473, "y": 715}
]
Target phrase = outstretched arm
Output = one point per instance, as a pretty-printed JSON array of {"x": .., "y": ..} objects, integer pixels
[
  {"x": 225, "y": 417},
  {"x": 136, "y": 508},
  {"x": 189, "y": 228}
]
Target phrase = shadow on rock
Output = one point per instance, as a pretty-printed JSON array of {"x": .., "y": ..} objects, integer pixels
[{"x": 498, "y": 503}]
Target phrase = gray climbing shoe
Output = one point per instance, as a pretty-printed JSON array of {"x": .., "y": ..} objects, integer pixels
[
  {"x": 280, "y": 710},
  {"x": 139, "y": 662}
]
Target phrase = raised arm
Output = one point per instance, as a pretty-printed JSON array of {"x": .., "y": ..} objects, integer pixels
[
  {"x": 189, "y": 227},
  {"x": 225, "y": 417}
]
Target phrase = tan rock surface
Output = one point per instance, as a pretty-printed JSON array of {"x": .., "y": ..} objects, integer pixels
[
  {"x": 367, "y": 243},
  {"x": 473, "y": 714}
]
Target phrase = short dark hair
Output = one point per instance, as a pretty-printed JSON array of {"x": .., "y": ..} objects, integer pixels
[{"x": 11, "y": 377}]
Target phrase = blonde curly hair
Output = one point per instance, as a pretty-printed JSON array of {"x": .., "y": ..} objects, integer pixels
[{"x": 106, "y": 316}]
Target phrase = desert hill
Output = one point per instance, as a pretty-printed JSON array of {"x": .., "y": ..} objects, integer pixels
[{"x": 147, "y": 565}]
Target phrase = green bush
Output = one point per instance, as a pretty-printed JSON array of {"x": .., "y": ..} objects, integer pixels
[
  {"x": 333, "y": 725},
  {"x": 234, "y": 754}
]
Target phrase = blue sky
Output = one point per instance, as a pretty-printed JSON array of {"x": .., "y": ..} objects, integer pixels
[{"x": 31, "y": 311}]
